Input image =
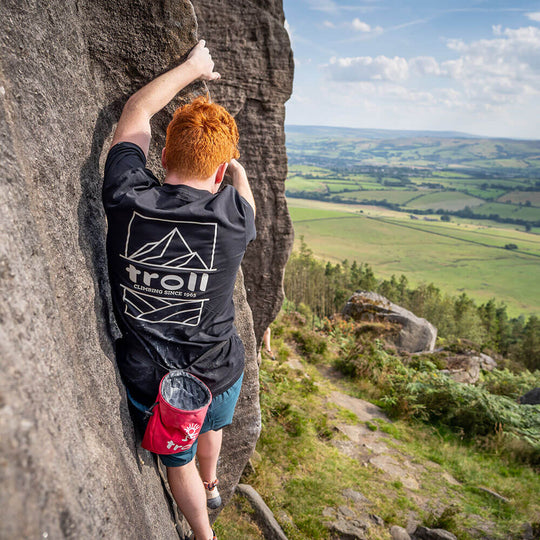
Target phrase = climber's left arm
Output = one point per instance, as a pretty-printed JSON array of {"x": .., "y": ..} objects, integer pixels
[{"x": 134, "y": 123}]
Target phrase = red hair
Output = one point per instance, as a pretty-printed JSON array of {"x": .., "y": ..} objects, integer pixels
[{"x": 201, "y": 136}]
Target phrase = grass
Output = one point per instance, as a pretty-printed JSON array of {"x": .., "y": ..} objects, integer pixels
[
  {"x": 335, "y": 187},
  {"x": 299, "y": 183},
  {"x": 509, "y": 211},
  {"x": 533, "y": 197},
  {"x": 299, "y": 471},
  {"x": 455, "y": 257},
  {"x": 444, "y": 200},
  {"x": 235, "y": 521},
  {"x": 432, "y": 151},
  {"x": 391, "y": 195}
]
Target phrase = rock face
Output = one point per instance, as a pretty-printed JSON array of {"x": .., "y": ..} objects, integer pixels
[
  {"x": 465, "y": 368},
  {"x": 252, "y": 52},
  {"x": 69, "y": 466},
  {"x": 415, "y": 335}
]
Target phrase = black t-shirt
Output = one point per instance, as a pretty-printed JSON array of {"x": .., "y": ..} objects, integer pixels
[{"x": 173, "y": 253}]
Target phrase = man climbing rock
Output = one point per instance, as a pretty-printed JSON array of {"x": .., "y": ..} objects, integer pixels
[{"x": 173, "y": 253}]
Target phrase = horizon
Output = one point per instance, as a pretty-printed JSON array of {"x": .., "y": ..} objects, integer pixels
[
  {"x": 457, "y": 133},
  {"x": 465, "y": 66}
]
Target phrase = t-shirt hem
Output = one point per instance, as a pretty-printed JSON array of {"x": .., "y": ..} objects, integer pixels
[{"x": 217, "y": 390}]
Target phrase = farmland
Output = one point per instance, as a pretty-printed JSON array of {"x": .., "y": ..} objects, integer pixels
[
  {"x": 456, "y": 256},
  {"x": 492, "y": 179},
  {"x": 447, "y": 208}
]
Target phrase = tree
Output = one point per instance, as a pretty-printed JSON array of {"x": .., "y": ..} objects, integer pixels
[{"x": 530, "y": 348}]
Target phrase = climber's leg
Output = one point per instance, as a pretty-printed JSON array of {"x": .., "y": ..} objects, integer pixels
[
  {"x": 209, "y": 446},
  {"x": 208, "y": 454},
  {"x": 189, "y": 494}
]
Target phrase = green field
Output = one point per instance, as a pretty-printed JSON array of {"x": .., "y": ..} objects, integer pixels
[
  {"x": 532, "y": 197},
  {"x": 457, "y": 257},
  {"x": 445, "y": 200},
  {"x": 509, "y": 210},
  {"x": 390, "y": 195},
  {"x": 446, "y": 191},
  {"x": 377, "y": 196}
]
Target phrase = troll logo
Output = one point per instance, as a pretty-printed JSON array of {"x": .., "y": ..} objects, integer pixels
[{"x": 162, "y": 262}]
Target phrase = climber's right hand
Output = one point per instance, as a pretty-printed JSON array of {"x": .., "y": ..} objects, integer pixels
[
  {"x": 235, "y": 169},
  {"x": 240, "y": 181},
  {"x": 202, "y": 62}
]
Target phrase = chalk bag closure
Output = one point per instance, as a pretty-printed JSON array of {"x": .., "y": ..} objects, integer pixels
[{"x": 178, "y": 413}]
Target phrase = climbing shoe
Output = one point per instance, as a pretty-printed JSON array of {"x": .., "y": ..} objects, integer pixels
[{"x": 213, "y": 498}]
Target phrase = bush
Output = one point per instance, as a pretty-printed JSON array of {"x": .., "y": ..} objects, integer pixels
[
  {"x": 421, "y": 391},
  {"x": 474, "y": 411},
  {"x": 503, "y": 382},
  {"x": 310, "y": 343},
  {"x": 292, "y": 418}
]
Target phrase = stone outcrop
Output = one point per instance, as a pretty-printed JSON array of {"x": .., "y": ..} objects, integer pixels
[
  {"x": 532, "y": 397},
  {"x": 252, "y": 52},
  {"x": 399, "y": 533},
  {"x": 69, "y": 465},
  {"x": 262, "y": 514},
  {"x": 465, "y": 368},
  {"x": 425, "y": 533},
  {"x": 415, "y": 334}
]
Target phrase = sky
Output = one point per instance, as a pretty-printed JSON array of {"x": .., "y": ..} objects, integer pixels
[{"x": 471, "y": 66}]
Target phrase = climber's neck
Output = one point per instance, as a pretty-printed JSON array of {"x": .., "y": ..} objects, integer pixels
[
  {"x": 206, "y": 185},
  {"x": 210, "y": 184}
]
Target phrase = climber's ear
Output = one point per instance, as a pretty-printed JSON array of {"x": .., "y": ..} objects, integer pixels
[
  {"x": 220, "y": 174},
  {"x": 164, "y": 159}
]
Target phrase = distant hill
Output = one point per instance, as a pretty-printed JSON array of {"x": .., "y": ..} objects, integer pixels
[
  {"x": 345, "y": 133},
  {"x": 337, "y": 147}
]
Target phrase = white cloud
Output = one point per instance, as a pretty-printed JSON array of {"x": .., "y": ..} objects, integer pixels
[
  {"x": 487, "y": 72},
  {"x": 424, "y": 65},
  {"x": 361, "y": 26},
  {"x": 365, "y": 68},
  {"x": 534, "y": 16},
  {"x": 330, "y": 6},
  {"x": 364, "y": 27},
  {"x": 329, "y": 24},
  {"x": 486, "y": 86},
  {"x": 303, "y": 62},
  {"x": 505, "y": 69}
]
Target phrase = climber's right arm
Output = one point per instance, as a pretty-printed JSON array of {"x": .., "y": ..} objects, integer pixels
[{"x": 134, "y": 123}]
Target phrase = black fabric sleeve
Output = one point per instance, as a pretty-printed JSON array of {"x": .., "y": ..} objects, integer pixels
[
  {"x": 251, "y": 232},
  {"x": 124, "y": 171}
]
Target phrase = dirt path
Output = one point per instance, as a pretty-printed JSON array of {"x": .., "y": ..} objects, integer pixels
[{"x": 369, "y": 445}]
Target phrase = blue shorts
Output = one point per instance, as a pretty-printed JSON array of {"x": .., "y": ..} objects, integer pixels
[{"x": 219, "y": 414}]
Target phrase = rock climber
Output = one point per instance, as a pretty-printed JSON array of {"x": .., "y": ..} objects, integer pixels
[{"x": 173, "y": 253}]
